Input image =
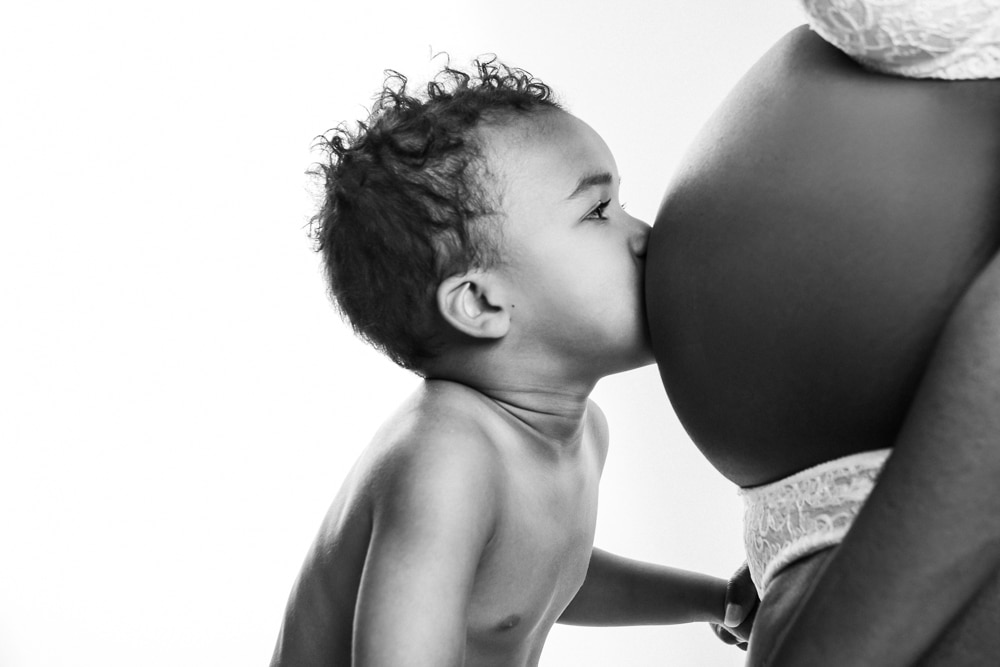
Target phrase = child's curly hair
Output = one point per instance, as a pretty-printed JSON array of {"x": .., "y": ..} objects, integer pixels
[{"x": 406, "y": 205}]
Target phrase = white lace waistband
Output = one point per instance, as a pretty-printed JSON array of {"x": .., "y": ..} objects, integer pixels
[{"x": 808, "y": 511}]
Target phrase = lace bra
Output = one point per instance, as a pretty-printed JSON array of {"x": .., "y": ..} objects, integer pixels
[{"x": 938, "y": 39}]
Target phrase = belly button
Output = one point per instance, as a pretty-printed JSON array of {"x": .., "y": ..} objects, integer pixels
[{"x": 509, "y": 622}]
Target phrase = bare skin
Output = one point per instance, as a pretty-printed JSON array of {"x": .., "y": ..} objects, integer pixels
[
  {"x": 934, "y": 511},
  {"x": 510, "y": 524},
  {"x": 840, "y": 294},
  {"x": 465, "y": 530},
  {"x": 460, "y": 532}
]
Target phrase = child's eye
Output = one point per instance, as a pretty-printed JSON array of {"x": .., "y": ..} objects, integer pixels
[{"x": 598, "y": 212}]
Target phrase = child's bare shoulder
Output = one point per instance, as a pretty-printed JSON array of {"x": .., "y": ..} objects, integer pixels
[
  {"x": 424, "y": 488},
  {"x": 439, "y": 445}
]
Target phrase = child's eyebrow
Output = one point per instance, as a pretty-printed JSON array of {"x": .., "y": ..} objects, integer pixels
[{"x": 591, "y": 180}]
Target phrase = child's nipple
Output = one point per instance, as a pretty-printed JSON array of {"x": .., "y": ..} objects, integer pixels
[{"x": 510, "y": 622}]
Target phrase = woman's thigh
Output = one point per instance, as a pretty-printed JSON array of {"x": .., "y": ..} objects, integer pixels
[
  {"x": 972, "y": 640},
  {"x": 786, "y": 593}
]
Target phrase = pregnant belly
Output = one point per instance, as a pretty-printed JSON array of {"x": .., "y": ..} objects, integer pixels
[{"x": 809, "y": 251}]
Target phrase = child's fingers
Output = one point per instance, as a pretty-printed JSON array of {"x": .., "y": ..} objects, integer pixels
[
  {"x": 727, "y": 637},
  {"x": 724, "y": 634},
  {"x": 735, "y": 614},
  {"x": 741, "y": 597}
]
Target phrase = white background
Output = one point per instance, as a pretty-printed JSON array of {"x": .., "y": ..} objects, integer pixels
[{"x": 178, "y": 400}]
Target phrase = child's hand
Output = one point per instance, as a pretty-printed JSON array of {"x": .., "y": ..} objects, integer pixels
[{"x": 741, "y": 609}]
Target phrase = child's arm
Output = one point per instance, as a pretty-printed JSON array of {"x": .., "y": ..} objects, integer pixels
[
  {"x": 929, "y": 536},
  {"x": 620, "y": 591},
  {"x": 430, "y": 527}
]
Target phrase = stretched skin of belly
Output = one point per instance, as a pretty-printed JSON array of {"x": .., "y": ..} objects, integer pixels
[{"x": 810, "y": 250}]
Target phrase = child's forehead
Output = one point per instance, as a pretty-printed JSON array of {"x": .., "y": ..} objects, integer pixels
[
  {"x": 554, "y": 142},
  {"x": 516, "y": 132}
]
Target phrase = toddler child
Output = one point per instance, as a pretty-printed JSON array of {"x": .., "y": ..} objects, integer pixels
[{"x": 475, "y": 236}]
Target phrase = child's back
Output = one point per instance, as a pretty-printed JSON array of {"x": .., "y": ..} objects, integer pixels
[{"x": 455, "y": 500}]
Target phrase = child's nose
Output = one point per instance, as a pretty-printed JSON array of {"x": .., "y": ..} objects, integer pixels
[{"x": 640, "y": 237}]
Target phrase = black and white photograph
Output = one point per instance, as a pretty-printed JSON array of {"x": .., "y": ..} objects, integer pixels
[{"x": 522, "y": 334}]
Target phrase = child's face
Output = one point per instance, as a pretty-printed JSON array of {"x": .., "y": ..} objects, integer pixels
[{"x": 573, "y": 257}]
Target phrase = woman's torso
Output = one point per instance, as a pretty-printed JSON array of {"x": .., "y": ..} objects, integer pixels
[{"x": 809, "y": 253}]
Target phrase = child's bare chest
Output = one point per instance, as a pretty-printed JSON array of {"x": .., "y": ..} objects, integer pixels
[{"x": 536, "y": 562}]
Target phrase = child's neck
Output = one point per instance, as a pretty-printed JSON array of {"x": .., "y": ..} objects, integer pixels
[
  {"x": 557, "y": 417},
  {"x": 546, "y": 402}
]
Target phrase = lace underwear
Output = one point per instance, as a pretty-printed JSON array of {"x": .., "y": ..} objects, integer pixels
[
  {"x": 940, "y": 39},
  {"x": 811, "y": 510}
]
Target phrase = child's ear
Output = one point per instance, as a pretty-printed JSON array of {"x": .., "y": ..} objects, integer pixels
[{"x": 471, "y": 303}]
